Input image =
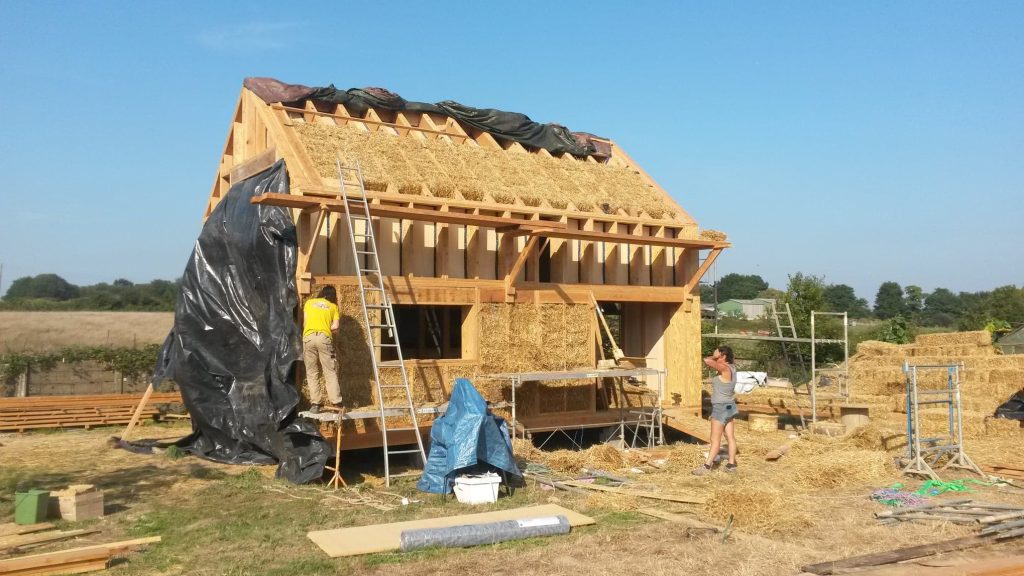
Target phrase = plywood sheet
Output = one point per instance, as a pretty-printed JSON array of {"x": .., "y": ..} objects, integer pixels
[{"x": 387, "y": 537}]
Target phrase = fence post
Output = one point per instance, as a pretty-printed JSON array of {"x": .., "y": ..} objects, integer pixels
[{"x": 21, "y": 386}]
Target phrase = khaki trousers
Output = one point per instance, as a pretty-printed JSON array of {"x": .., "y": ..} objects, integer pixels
[{"x": 318, "y": 354}]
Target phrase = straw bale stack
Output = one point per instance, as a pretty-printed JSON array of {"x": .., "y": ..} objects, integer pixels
[{"x": 976, "y": 338}]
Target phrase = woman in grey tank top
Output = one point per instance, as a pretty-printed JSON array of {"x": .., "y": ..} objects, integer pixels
[{"x": 723, "y": 408}]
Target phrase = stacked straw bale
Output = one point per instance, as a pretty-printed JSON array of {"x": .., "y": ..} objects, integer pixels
[{"x": 469, "y": 172}]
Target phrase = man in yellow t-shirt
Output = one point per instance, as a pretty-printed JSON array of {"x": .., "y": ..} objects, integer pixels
[{"x": 319, "y": 324}]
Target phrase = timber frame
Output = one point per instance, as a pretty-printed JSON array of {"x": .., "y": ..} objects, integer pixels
[{"x": 456, "y": 251}]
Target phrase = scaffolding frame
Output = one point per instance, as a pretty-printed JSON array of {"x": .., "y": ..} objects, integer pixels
[
  {"x": 630, "y": 419},
  {"x": 923, "y": 454}
]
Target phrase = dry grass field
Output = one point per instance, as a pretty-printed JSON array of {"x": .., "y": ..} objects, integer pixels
[
  {"x": 811, "y": 506},
  {"x": 41, "y": 331}
]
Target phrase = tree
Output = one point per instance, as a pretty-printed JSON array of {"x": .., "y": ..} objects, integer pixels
[
  {"x": 841, "y": 298},
  {"x": 913, "y": 299},
  {"x": 944, "y": 301},
  {"x": 941, "y": 308},
  {"x": 804, "y": 294},
  {"x": 889, "y": 301},
  {"x": 48, "y": 286},
  {"x": 740, "y": 286}
]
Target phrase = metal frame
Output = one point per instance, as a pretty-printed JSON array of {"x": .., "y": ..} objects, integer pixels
[
  {"x": 646, "y": 419},
  {"x": 923, "y": 454},
  {"x": 843, "y": 371}
]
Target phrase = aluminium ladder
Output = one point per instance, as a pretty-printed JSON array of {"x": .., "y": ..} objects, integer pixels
[
  {"x": 371, "y": 280},
  {"x": 790, "y": 350}
]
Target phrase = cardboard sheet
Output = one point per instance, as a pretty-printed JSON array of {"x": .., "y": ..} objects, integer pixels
[{"x": 387, "y": 537}]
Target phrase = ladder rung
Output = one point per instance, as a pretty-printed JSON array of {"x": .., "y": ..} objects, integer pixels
[
  {"x": 378, "y": 306},
  {"x": 365, "y": 252},
  {"x": 389, "y": 364},
  {"x": 412, "y": 451},
  {"x": 385, "y": 346}
]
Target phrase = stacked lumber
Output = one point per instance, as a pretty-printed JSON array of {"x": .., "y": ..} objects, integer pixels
[
  {"x": 999, "y": 520},
  {"x": 73, "y": 561},
  {"x": 33, "y": 412},
  {"x": 1013, "y": 473}
]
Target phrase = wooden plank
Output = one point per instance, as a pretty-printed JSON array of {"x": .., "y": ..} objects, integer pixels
[
  {"x": 74, "y": 561},
  {"x": 694, "y": 278},
  {"x": 417, "y": 214},
  {"x": 138, "y": 412},
  {"x": 682, "y": 498},
  {"x": 14, "y": 542},
  {"x": 252, "y": 166},
  {"x": 122, "y": 546},
  {"x": 12, "y": 529},
  {"x": 897, "y": 555},
  {"x": 386, "y": 537}
]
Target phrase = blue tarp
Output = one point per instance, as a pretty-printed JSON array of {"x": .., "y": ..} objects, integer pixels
[{"x": 466, "y": 436}]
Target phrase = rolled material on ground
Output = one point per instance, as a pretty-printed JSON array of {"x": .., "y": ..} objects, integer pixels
[{"x": 478, "y": 534}]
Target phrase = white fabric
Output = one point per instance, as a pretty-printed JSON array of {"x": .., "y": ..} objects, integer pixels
[{"x": 747, "y": 381}]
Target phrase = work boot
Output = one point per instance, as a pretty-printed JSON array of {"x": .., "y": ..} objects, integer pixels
[
  {"x": 730, "y": 468},
  {"x": 314, "y": 409},
  {"x": 702, "y": 470}
]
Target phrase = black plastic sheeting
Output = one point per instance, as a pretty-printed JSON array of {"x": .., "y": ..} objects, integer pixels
[
  {"x": 235, "y": 343},
  {"x": 509, "y": 125},
  {"x": 1012, "y": 408}
]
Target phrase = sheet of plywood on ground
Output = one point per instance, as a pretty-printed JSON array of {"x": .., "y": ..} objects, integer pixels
[{"x": 387, "y": 537}]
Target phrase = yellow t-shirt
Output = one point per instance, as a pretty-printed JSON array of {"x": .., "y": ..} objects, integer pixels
[{"x": 318, "y": 314}]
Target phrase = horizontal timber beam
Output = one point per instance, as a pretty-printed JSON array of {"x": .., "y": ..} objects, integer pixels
[
  {"x": 455, "y": 291},
  {"x": 382, "y": 211},
  {"x": 625, "y": 238},
  {"x": 330, "y": 190}
]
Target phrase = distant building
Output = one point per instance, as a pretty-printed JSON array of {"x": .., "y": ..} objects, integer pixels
[
  {"x": 1013, "y": 342},
  {"x": 746, "y": 309}
]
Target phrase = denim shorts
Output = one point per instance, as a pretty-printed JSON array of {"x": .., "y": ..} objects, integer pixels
[{"x": 724, "y": 413}]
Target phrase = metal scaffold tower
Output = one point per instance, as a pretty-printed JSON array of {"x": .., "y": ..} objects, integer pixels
[{"x": 925, "y": 453}]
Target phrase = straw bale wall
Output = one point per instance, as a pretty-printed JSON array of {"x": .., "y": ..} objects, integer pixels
[
  {"x": 468, "y": 172},
  {"x": 512, "y": 338}
]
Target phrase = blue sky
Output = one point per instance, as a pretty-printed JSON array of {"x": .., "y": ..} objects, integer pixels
[{"x": 861, "y": 141}]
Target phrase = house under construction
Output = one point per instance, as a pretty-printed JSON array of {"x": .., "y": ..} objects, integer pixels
[{"x": 492, "y": 251}]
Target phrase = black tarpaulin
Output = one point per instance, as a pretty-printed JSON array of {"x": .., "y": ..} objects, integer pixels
[
  {"x": 234, "y": 345},
  {"x": 508, "y": 125},
  {"x": 1012, "y": 408}
]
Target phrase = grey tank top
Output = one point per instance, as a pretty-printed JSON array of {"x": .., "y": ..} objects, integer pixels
[{"x": 724, "y": 392}]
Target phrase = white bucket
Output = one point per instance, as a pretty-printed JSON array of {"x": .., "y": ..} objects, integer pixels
[{"x": 477, "y": 489}]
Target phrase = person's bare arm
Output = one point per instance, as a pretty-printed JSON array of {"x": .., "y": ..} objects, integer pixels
[
  {"x": 335, "y": 325},
  {"x": 720, "y": 366}
]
